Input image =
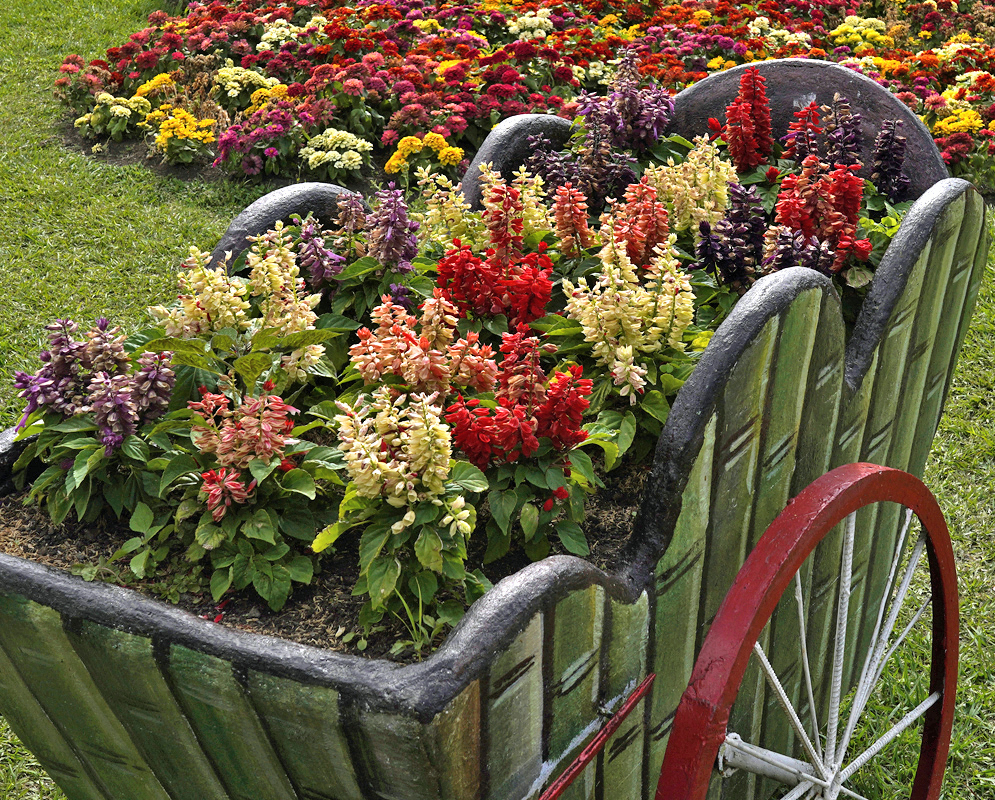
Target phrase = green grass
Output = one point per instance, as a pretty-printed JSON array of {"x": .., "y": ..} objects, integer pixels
[{"x": 83, "y": 238}]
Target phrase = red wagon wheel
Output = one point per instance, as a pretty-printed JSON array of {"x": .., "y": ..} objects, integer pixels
[{"x": 820, "y": 766}]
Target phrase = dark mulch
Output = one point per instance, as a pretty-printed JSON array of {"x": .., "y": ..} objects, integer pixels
[{"x": 324, "y": 614}]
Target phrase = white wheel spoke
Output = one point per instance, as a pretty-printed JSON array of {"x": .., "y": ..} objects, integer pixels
[
  {"x": 840, "y": 646},
  {"x": 796, "y": 723},
  {"x": 877, "y": 657},
  {"x": 888, "y": 737},
  {"x": 804, "y": 788},
  {"x": 803, "y": 633}
]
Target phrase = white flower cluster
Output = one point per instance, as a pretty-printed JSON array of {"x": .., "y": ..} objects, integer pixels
[
  {"x": 338, "y": 149},
  {"x": 395, "y": 448},
  {"x": 531, "y": 25},
  {"x": 598, "y": 71},
  {"x": 234, "y": 80},
  {"x": 760, "y": 28},
  {"x": 447, "y": 215},
  {"x": 696, "y": 190},
  {"x": 209, "y": 300},
  {"x": 624, "y": 319},
  {"x": 278, "y": 32}
]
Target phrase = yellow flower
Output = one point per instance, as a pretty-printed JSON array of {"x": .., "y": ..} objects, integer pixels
[
  {"x": 156, "y": 83},
  {"x": 925, "y": 34},
  {"x": 607, "y": 20},
  {"x": 435, "y": 141},
  {"x": 702, "y": 16},
  {"x": 409, "y": 145},
  {"x": 395, "y": 163},
  {"x": 451, "y": 156},
  {"x": 716, "y": 63}
]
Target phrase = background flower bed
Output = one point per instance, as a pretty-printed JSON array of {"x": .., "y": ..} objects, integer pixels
[
  {"x": 39, "y": 180},
  {"x": 255, "y": 83}
]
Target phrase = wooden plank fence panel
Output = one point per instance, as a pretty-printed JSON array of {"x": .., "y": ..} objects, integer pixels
[
  {"x": 40, "y": 735},
  {"x": 676, "y": 595},
  {"x": 964, "y": 281},
  {"x": 621, "y": 762},
  {"x": 34, "y": 640},
  {"x": 229, "y": 730},
  {"x": 124, "y": 669},
  {"x": 514, "y": 732},
  {"x": 305, "y": 726}
]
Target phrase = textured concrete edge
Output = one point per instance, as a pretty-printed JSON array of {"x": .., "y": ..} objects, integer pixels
[
  {"x": 420, "y": 690},
  {"x": 320, "y": 198}
]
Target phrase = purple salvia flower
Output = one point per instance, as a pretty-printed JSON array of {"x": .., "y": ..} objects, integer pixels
[
  {"x": 392, "y": 236},
  {"x": 556, "y": 168},
  {"x": 401, "y": 295},
  {"x": 105, "y": 349},
  {"x": 322, "y": 264},
  {"x": 152, "y": 385},
  {"x": 842, "y": 129},
  {"x": 783, "y": 254},
  {"x": 712, "y": 253},
  {"x": 889, "y": 158},
  {"x": 747, "y": 225},
  {"x": 113, "y": 405}
]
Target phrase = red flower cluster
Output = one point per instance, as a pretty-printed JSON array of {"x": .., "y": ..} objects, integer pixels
[
  {"x": 826, "y": 204},
  {"x": 748, "y": 130},
  {"x": 527, "y": 409}
]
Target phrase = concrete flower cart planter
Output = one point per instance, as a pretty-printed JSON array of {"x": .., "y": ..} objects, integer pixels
[{"x": 122, "y": 697}]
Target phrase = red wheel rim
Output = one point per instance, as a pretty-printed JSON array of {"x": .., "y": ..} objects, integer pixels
[{"x": 702, "y": 716}]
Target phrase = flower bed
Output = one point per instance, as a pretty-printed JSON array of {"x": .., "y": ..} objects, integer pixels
[
  {"x": 777, "y": 397},
  {"x": 253, "y": 85},
  {"x": 385, "y": 378}
]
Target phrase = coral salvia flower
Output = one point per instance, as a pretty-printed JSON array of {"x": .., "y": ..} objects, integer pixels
[{"x": 224, "y": 487}]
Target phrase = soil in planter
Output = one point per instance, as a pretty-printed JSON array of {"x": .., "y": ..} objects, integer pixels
[{"x": 323, "y": 614}]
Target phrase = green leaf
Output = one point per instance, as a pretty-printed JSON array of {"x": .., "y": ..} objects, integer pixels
[
  {"x": 300, "y": 482},
  {"x": 140, "y": 563},
  {"x": 529, "y": 518},
  {"x": 372, "y": 542},
  {"x": 581, "y": 462},
  {"x": 424, "y": 585},
  {"x": 468, "y": 477},
  {"x": 220, "y": 582},
  {"x": 251, "y": 366},
  {"x": 176, "y": 345},
  {"x": 329, "y": 535},
  {"x": 261, "y": 525},
  {"x": 301, "y": 569},
  {"x": 295, "y": 341},
  {"x": 297, "y": 521},
  {"x": 669, "y": 385},
  {"x": 75, "y": 425},
  {"x": 428, "y": 548},
  {"x": 655, "y": 404},
  {"x": 135, "y": 448},
  {"x": 179, "y": 465},
  {"x": 450, "y": 612},
  {"x": 381, "y": 578},
  {"x": 142, "y": 519},
  {"x": 626, "y": 432},
  {"x": 358, "y": 268},
  {"x": 572, "y": 537},
  {"x": 277, "y": 551},
  {"x": 336, "y": 322},
  {"x": 209, "y": 536},
  {"x": 503, "y": 505}
]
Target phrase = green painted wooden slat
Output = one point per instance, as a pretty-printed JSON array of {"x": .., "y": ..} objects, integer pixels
[
  {"x": 304, "y": 725},
  {"x": 514, "y": 723},
  {"x": 455, "y": 738},
  {"x": 34, "y": 728},
  {"x": 34, "y": 640},
  {"x": 622, "y": 759},
  {"x": 576, "y": 667},
  {"x": 907, "y": 413},
  {"x": 737, "y": 449},
  {"x": 125, "y": 671},
  {"x": 676, "y": 595},
  {"x": 741, "y": 409},
  {"x": 405, "y": 759},
  {"x": 227, "y": 726},
  {"x": 958, "y": 305}
]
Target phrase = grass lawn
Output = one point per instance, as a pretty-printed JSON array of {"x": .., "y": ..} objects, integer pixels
[{"x": 83, "y": 238}]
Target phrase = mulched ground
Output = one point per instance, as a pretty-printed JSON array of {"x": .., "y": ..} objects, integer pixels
[{"x": 324, "y": 614}]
